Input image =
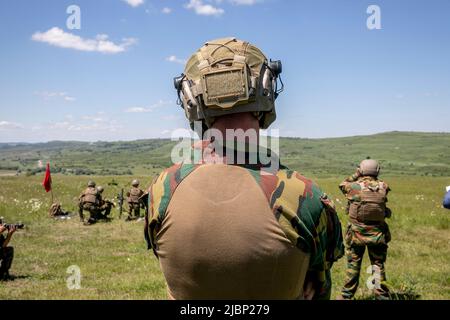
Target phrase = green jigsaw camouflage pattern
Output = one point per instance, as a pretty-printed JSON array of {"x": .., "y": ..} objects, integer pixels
[
  {"x": 359, "y": 233},
  {"x": 355, "y": 254},
  {"x": 358, "y": 236},
  {"x": 306, "y": 215}
]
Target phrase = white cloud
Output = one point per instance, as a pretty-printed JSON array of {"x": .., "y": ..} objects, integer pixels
[
  {"x": 201, "y": 8},
  {"x": 94, "y": 118},
  {"x": 54, "y": 95},
  {"x": 134, "y": 3},
  {"x": 59, "y": 38},
  {"x": 244, "y": 2},
  {"x": 175, "y": 59},
  {"x": 137, "y": 110},
  {"x": 158, "y": 104},
  {"x": 6, "y": 125},
  {"x": 88, "y": 123},
  {"x": 69, "y": 99},
  {"x": 166, "y": 10}
]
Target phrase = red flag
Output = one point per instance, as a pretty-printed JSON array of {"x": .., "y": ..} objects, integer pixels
[{"x": 47, "y": 183}]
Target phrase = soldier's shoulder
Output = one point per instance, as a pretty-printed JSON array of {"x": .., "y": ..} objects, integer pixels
[
  {"x": 293, "y": 182},
  {"x": 383, "y": 183},
  {"x": 170, "y": 178}
]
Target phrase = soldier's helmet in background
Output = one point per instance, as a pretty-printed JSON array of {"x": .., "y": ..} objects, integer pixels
[
  {"x": 228, "y": 76},
  {"x": 135, "y": 183},
  {"x": 100, "y": 189},
  {"x": 91, "y": 184},
  {"x": 369, "y": 167}
]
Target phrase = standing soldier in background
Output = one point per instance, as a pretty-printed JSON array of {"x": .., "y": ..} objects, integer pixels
[
  {"x": 105, "y": 205},
  {"x": 134, "y": 202},
  {"x": 89, "y": 201},
  {"x": 367, "y": 197}
]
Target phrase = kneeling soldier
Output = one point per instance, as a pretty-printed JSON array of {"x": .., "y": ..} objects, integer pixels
[{"x": 89, "y": 201}]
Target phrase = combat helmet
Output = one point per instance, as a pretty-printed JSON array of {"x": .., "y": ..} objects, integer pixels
[
  {"x": 91, "y": 184},
  {"x": 228, "y": 76},
  {"x": 100, "y": 189},
  {"x": 135, "y": 183},
  {"x": 369, "y": 167}
]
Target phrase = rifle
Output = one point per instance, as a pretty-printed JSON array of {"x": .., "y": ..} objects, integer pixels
[
  {"x": 9, "y": 226},
  {"x": 120, "y": 198}
]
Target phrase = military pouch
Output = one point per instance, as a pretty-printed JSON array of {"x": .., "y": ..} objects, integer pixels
[
  {"x": 134, "y": 195},
  {"x": 90, "y": 198}
]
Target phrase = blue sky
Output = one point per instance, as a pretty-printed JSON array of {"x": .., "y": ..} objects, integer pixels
[{"x": 112, "y": 79}]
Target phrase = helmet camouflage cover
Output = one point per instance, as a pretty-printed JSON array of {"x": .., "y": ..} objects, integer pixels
[
  {"x": 91, "y": 184},
  {"x": 228, "y": 76},
  {"x": 100, "y": 189},
  {"x": 135, "y": 183}
]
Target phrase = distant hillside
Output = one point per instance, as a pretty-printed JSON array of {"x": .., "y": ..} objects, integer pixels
[{"x": 400, "y": 153}]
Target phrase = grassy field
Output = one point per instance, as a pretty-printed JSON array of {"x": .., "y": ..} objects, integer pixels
[{"x": 115, "y": 264}]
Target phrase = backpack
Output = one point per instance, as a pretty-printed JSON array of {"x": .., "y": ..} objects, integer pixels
[{"x": 371, "y": 207}]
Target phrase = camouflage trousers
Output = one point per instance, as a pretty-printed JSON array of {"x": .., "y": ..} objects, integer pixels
[
  {"x": 92, "y": 209},
  {"x": 356, "y": 243},
  {"x": 104, "y": 210},
  {"x": 134, "y": 208},
  {"x": 6, "y": 258}
]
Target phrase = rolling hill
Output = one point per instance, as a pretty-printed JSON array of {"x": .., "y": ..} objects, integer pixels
[{"x": 400, "y": 153}]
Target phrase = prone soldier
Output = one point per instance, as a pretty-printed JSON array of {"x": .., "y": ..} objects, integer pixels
[
  {"x": 367, "y": 210},
  {"x": 134, "y": 202}
]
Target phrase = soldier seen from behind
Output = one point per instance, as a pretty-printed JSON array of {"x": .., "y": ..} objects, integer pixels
[
  {"x": 89, "y": 201},
  {"x": 134, "y": 201},
  {"x": 367, "y": 228},
  {"x": 246, "y": 229}
]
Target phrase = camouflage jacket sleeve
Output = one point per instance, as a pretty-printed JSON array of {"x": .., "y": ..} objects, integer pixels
[
  {"x": 311, "y": 224},
  {"x": 159, "y": 195},
  {"x": 305, "y": 214},
  {"x": 345, "y": 185}
]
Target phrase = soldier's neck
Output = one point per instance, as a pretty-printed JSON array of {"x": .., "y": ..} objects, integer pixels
[{"x": 244, "y": 122}]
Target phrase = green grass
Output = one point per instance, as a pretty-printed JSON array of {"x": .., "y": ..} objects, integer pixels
[{"x": 115, "y": 264}]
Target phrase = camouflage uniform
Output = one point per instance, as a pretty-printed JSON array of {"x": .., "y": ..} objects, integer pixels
[
  {"x": 89, "y": 200},
  {"x": 305, "y": 214},
  {"x": 134, "y": 203},
  {"x": 104, "y": 208},
  {"x": 361, "y": 234},
  {"x": 238, "y": 231}
]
